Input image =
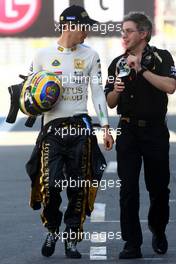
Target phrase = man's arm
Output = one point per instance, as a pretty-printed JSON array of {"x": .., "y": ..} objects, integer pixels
[
  {"x": 166, "y": 80},
  {"x": 165, "y": 84},
  {"x": 99, "y": 101},
  {"x": 36, "y": 64},
  {"x": 113, "y": 86},
  {"x": 113, "y": 96}
]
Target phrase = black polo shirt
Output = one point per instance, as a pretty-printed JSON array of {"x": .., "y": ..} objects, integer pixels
[{"x": 140, "y": 99}]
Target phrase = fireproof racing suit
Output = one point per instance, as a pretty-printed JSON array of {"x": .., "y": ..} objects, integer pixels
[{"x": 68, "y": 155}]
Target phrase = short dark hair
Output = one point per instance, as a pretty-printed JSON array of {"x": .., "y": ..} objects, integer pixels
[{"x": 142, "y": 21}]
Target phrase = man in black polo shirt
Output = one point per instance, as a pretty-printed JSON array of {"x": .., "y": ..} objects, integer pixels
[{"x": 138, "y": 83}]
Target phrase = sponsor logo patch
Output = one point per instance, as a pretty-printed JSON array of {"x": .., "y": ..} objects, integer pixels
[
  {"x": 173, "y": 71},
  {"x": 56, "y": 63},
  {"x": 70, "y": 17},
  {"x": 79, "y": 64}
]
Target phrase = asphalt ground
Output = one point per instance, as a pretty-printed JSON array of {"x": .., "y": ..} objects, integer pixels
[{"x": 22, "y": 234}]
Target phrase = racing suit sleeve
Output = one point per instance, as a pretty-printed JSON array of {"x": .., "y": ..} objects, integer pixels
[
  {"x": 109, "y": 87},
  {"x": 36, "y": 64},
  {"x": 98, "y": 96}
]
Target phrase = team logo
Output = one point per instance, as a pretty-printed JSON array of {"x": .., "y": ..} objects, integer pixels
[
  {"x": 99, "y": 74},
  {"x": 173, "y": 71},
  {"x": 79, "y": 64},
  {"x": 56, "y": 63},
  {"x": 18, "y": 15},
  {"x": 78, "y": 77},
  {"x": 31, "y": 68},
  {"x": 99, "y": 64},
  {"x": 60, "y": 48}
]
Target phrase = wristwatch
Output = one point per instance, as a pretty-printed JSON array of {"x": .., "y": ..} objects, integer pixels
[{"x": 142, "y": 70}]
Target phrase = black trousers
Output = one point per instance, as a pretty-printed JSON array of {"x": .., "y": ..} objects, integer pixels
[
  {"x": 149, "y": 144},
  {"x": 64, "y": 162}
]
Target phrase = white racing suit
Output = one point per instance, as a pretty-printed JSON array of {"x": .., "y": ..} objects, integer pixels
[{"x": 68, "y": 156}]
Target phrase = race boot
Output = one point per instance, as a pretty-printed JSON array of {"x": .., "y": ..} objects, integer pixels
[
  {"x": 70, "y": 249},
  {"x": 48, "y": 247}
]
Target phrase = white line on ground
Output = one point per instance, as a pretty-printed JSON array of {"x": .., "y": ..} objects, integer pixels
[
  {"x": 172, "y": 136},
  {"x": 19, "y": 138},
  {"x": 111, "y": 167},
  {"x": 118, "y": 221},
  {"x": 98, "y": 253},
  {"x": 5, "y": 130},
  {"x": 98, "y": 257},
  {"x": 98, "y": 213},
  {"x": 172, "y": 200},
  {"x": 152, "y": 259},
  {"x": 6, "y": 127}
]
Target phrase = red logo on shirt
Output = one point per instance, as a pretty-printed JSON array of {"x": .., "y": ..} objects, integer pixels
[{"x": 18, "y": 15}]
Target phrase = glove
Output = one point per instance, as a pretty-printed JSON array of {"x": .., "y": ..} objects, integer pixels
[
  {"x": 148, "y": 58},
  {"x": 15, "y": 92}
]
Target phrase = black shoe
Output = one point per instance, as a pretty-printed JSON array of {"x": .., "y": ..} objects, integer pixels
[
  {"x": 48, "y": 247},
  {"x": 130, "y": 253},
  {"x": 70, "y": 249},
  {"x": 159, "y": 243}
]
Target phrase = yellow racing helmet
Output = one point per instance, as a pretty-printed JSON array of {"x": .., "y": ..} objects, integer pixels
[{"x": 40, "y": 92}]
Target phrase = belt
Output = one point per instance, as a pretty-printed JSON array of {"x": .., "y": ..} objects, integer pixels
[{"x": 141, "y": 122}]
